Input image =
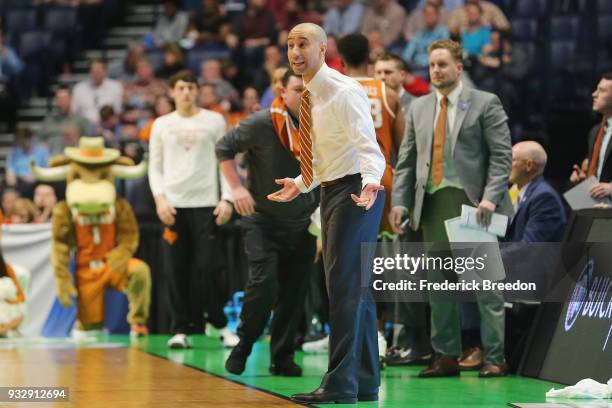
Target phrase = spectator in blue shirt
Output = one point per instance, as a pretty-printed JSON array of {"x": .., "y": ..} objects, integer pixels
[
  {"x": 10, "y": 69},
  {"x": 18, "y": 171},
  {"x": 415, "y": 52},
  {"x": 10, "y": 64},
  {"x": 344, "y": 19},
  {"x": 477, "y": 34}
]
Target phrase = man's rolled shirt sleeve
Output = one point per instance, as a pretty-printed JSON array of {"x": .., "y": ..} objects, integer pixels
[{"x": 356, "y": 118}]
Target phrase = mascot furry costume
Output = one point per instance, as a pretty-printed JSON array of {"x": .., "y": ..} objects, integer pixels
[{"x": 100, "y": 229}]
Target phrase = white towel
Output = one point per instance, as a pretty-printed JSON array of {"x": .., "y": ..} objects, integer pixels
[{"x": 584, "y": 389}]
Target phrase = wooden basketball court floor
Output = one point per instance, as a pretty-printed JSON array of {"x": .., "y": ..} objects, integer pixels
[{"x": 114, "y": 371}]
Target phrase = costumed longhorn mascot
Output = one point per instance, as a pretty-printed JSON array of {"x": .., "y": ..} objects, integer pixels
[{"x": 100, "y": 229}]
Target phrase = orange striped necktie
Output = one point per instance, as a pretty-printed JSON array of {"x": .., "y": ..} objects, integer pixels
[
  {"x": 596, "y": 148},
  {"x": 305, "y": 139},
  {"x": 437, "y": 165}
]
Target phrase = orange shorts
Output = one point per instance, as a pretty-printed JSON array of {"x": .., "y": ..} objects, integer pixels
[{"x": 91, "y": 286}]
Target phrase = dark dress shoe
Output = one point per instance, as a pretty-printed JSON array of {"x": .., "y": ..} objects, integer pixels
[
  {"x": 321, "y": 396},
  {"x": 289, "y": 369},
  {"x": 367, "y": 397},
  {"x": 441, "y": 366},
  {"x": 472, "y": 359},
  {"x": 402, "y": 357},
  {"x": 493, "y": 370},
  {"x": 236, "y": 361}
]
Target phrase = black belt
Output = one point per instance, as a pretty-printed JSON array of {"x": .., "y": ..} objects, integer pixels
[{"x": 350, "y": 177}]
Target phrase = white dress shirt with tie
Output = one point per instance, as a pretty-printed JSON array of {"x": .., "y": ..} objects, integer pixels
[
  {"x": 451, "y": 110},
  {"x": 343, "y": 135},
  {"x": 604, "y": 147},
  {"x": 521, "y": 197},
  {"x": 450, "y": 177}
]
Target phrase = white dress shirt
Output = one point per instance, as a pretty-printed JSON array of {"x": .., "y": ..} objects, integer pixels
[
  {"x": 87, "y": 99},
  {"x": 450, "y": 177},
  {"x": 521, "y": 196},
  {"x": 604, "y": 146},
  {"x": 451, "y": 108},
  {"x": 182, "y": 162},
  {"x": 343, "y": 135}
]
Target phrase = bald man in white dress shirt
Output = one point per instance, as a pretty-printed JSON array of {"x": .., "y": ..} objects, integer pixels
[{"x": 339, "y": 151}]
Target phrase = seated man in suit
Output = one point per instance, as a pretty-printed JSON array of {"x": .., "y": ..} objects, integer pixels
[{"x": 540, "y": 216}]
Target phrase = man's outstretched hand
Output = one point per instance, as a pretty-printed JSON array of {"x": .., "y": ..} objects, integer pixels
[
  {"x": 368, "y": 196},
  {"x": 287, "y": 193}
]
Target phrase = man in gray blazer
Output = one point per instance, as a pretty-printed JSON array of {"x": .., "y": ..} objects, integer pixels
[{"x": 456, "y": 151}]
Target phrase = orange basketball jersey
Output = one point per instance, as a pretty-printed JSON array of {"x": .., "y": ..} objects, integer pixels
[
  {"x": 382, "y": 115},
  {"x": 383, "y": 118}
]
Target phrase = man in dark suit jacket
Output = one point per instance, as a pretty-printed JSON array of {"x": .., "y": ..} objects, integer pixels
[
  {"x": 599, "y": 160},
  {"x": 277, "y": 243},
  {"x": 540, "y": 216}
]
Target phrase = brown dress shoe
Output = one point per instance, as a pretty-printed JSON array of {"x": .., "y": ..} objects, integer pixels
[
  {"x": 472, "y": 359},
  {"x": 493, "y": 370},
  {"x": 441, "y": 366}
]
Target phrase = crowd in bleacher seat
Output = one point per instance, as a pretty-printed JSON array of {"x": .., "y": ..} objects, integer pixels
[
  {"x": 18, "y": 172},
  {"x": 54, "y": 125},
  {"x": 47, "y": 34},
  {"x": 125, "y": 69},
  {"x": 90, "y": 95},
  {"x": 171, "y": 26},
  {"x": 23, "y": 210},
  {"x": 210, "y": 74},
  {"x": 44, "y": 201},
  {"x": 415, "y": 52},
  {"x": 236, "y": 47},
  {"x": 173, "y": 62},
  {"x": 344, "y": 18}
]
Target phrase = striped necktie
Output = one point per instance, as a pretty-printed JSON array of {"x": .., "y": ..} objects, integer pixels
[{"x": 305, "y": 139}]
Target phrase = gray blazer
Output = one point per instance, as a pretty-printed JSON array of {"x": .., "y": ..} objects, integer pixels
[
  {"x": 480, "y": 144},
  {"x": 405, "y": 100}
]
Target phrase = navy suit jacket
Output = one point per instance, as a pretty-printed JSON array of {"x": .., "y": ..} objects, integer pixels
[{"x": 540, "y": 217}]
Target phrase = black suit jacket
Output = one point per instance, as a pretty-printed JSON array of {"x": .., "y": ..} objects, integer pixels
[
  {"x": 267, "y": 160},
  {"x": 606, "y": 170}
]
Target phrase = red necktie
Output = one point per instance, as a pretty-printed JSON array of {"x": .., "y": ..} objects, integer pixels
[
  {"x": 305, "y": 139},
  {"x": 596, "y": 148}
]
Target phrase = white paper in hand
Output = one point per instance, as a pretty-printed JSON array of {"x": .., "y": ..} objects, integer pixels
[
  {"x": 579, "y": 198},
  {"x": 458, "y": 232},
  {"x": 499, "y": 222}
]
